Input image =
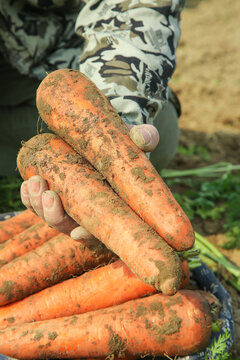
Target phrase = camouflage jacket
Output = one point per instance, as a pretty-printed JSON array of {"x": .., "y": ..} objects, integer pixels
[{"x": 127, "y": 47}]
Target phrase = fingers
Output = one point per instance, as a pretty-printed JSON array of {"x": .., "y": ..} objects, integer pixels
[
  {"x": 31, "y": 193},
  {"x": 79, "y": 233},
  {"x": 145, "y": 136},
  {"x": 46, "y": 204},
  {"x": 54, "y": 214}
]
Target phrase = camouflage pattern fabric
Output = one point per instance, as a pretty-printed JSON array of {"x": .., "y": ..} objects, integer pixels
[
  {"x": 130, "y": 52},
  {"x": 127, "y": 47}
]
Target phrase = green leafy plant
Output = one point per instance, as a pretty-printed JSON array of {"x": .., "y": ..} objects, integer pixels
[
  {"x": 218, "y": 348},
  {"x": 211, "y": 192},
  {"x": 216, "y": 261},
  {"x": 195, "y": 150},
  {"x": 10, "y": 194}
]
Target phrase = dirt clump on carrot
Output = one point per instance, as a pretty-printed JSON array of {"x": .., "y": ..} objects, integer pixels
[
  {"x": 154, "y": 325},
  {"x": 92, "y": 203},
  {"x": 78, "y": 112}
]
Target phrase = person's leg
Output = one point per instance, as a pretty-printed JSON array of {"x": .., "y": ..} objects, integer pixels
[
  {"x": 18, "y": 115},
  {"x": 167, "y": 124},
  {"x": 18, "y": 124}
]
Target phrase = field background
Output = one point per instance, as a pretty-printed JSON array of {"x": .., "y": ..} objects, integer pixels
[{"x": 207, "y": 81}]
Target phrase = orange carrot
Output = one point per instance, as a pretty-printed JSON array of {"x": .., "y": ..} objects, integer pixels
[
  {"x": 155, "y": 325},
  {"x": 106, "y": 286},
  {"x": 185, "y": 274},
  {"x": 91, "y": 202},
  {"x": 75, "y": 109},
  {"x": 25, "y": 241},
  {"x": 17, "y": 224},
  {"x": 54, "y": 261}
]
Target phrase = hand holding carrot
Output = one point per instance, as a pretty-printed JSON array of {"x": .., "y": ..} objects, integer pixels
[
  {"x": 97, "y": 207},
  {"x": 74, "y": 108},
  {"x": 36, "y": 195}
]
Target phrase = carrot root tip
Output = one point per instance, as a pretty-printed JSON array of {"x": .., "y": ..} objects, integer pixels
[{"x": 170, "y": 286}]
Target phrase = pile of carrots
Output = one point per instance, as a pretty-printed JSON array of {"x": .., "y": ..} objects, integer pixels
[{"x": 122, "y": 294}]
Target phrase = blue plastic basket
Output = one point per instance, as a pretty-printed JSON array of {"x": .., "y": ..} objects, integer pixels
[{"x": 206, "y": 280}]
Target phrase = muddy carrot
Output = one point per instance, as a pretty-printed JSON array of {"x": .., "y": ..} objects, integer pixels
[
  {"x": 185, "y": 271},
  {"x": 106, "y": 286},
  {"x": 75, "y": 109},
  {"x": 25, "y": 241},
  {"x": 56, "y": 260},
  {"x": 91, "y": 202},
  {"x": 17, "y": 224},
  {"x": 155, "y": 325}
]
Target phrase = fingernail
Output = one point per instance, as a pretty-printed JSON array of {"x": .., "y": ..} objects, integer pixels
[
  {"x": 140, "y": 137},
  {"x": 34, "y": 186},
  {"x": 48, "y": 200},
  {"x": 146, "y": 135},
  {"x": 80, "y": 233}
]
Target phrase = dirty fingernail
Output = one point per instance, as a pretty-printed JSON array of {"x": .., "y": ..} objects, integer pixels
[
  {"x": 34, "y": 186},
  {"x": 81, "y": 233},
  {"x": 48, "y": 200},
  {"x": 146, "y": 135},
  {"x": 141, "y": 137}
]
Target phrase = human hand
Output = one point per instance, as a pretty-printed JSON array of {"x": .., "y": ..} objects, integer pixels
[
  {"x": 36, "y": 195},
  {"x": 145, "y": 136}
]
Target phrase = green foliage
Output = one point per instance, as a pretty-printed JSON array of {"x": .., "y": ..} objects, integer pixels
[
  {"x": 195, "y": 150},
  {"x": 213, "y": 199},
  {"x": 218, "y": 348},
  {"x": 10, "y": 194}
]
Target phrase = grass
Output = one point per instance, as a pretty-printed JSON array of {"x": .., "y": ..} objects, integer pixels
[
  {"x": 218, "y": 348},
  {"x": 211, "y": 193},
  {"x": 10, "y": 194}
]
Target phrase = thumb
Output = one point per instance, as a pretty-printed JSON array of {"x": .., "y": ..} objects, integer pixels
[{"x": 145, "y": 136}]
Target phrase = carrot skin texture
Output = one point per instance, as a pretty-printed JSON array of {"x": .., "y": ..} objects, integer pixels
[
  {"x": 25, "y": 241},
  {"x": 185, "y": 271},
  {"x": 75, "y": 109},
  {"x": 88, "y": 292},
  {"x": 17, "y": 224},
  {"x": 84, "y": 293},
  {"x": 154, "y": 325},
  {"x": 54, "y": 261},
  {"x": 91, "y": 202}
]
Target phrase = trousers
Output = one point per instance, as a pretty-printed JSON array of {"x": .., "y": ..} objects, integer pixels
[{"x": 19, "y": 121}]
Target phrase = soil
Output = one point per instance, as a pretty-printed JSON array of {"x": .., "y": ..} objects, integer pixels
[
  {"x": 207, "y": 77},
  {"x": 207, "y": 82}
]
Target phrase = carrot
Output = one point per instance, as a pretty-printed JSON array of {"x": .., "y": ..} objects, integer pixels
[
  {"x": 155, "y": 325},
  {"x": 25, "y": 241},
  {"x": 185, "y": 271},
  {"x": 75, "y": 109},
  {"x": 93, "y": 204},
  {"x": 54, "y": 261},
  {"x": 17, "y": 224},
  {"x": 106, "y": 286}
]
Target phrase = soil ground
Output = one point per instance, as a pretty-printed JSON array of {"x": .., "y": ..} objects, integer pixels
[{"x": 207, "y": 82}]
